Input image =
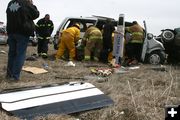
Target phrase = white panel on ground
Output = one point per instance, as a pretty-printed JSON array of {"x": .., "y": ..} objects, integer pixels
[{"x": 59, "y": 99}]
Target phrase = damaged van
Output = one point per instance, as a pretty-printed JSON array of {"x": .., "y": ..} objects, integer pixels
[
  {"x": 153, "y": 51},
  {"x": 84, "y": 23}
]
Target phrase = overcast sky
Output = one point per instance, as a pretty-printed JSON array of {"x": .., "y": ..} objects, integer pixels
[{"x": 158, "y": 14}]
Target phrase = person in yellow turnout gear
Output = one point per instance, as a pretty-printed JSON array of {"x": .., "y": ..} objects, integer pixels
[
  {"x": 93, "y": 43},
  {"x": 134, "y": 46},
  {"x": 68, "y": 39}
]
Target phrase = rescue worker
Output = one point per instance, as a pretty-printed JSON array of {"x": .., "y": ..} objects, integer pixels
[
  {"x": 69, "y": 37},
  {"x": 44, "y": 29},
  {"x": 134, "y": 46},
  {"x": 93, "y": 43},
  {"x": 108, "y": 29}
]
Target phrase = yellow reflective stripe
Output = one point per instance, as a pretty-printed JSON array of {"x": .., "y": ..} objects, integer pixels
[
  {"x": 95, "y": 37},
  {"x": 49, "y": 25},
  {"x": 136, "y": 41},
  {"x": 44, "y": 54},
  {"x": 137, "y": 33},
  {"x": 40, "y": 37},
  {"x": 42, "y": 25},
  {"x": 94, "y": 31},
  {"x": 48, "y": 37},
  {"x": 87, "y": 57},
  {"x": 43, "y": 38}
]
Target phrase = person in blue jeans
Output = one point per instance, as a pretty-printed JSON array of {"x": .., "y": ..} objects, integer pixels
[{"x": 20, "y": 26}]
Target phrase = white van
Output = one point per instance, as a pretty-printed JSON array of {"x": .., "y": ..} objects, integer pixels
[{"x": 99, "y": 21}]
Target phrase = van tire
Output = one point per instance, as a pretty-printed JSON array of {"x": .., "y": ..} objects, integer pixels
[
  {"x": 167, "y": 36},
  {"x": 156, "y": 57}
]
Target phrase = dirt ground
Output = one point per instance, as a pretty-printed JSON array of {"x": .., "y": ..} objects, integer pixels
[{"x": 139, "y": 94}]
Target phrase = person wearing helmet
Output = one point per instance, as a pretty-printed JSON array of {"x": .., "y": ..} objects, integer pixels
[
  {"x": 68, "y": 39},
  {"x": 44, "y": 29},
  {"x": 134, "y": 46},
  {"x": 93, "y": 40}
]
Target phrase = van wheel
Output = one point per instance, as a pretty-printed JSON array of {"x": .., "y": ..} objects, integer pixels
[
  {"x": 156, "y": 57},
  {"x": 168, "y": 36}
]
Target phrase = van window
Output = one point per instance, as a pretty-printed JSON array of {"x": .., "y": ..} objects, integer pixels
[
  {"x": 67, "y": 25},
  {"x": 84, "y": 23}
]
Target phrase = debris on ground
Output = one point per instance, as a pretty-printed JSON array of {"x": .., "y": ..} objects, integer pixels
[
  {"x": 98, "y": 78},
  {"x": 94, "y": 65},
  {"x": 33, "y": 57},
  {"x": 102, "y": 71},
  {"x": 121, "y": 70},
  {"x": 159, "y": 68},
  {"x": 70, "y": 63},
  {"x": 45, "y": 66},
  {"x": 34, "y": 70},
  {"x": 133, "y": 67}
]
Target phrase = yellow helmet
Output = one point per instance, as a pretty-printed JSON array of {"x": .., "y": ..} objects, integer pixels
[{"x": 77, "y": 25}]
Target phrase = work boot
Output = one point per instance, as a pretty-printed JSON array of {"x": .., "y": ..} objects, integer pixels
[{"x": 44, "y": 55}]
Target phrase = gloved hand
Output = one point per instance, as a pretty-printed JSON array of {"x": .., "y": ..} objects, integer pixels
[{"x": 79, "y": 43}]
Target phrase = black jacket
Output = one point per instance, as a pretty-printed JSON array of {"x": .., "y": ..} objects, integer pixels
[
  {"x": 44, "y": 28},
  {"x": 20, "y": 16},
  {"x": 107, "y": 36}
]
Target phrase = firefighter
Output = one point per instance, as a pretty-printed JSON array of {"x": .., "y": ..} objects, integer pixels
[
  {"x": 44, "y": 29},
  {"x": 69, "y": 37},
  {"x": 93, "y": 43},
  {"x": 134, "y": 46}
]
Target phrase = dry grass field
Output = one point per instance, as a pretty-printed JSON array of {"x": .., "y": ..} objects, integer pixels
[{"x": 139, "y": 94}]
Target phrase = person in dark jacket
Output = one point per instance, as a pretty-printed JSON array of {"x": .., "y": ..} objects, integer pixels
[
  {"x": 20, "y": 26},
  {"x": 44, "y": 29},
  {"x": 108, "y": 29}
]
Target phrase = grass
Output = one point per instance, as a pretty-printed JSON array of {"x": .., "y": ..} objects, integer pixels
[{"x": 139, "y": 94}]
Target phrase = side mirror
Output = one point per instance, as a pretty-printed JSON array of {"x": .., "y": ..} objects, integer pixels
[{"x": 149, "y": 36}]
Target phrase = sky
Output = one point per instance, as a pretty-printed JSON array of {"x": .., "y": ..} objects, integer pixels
[{"x": 158, "y": 14}]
